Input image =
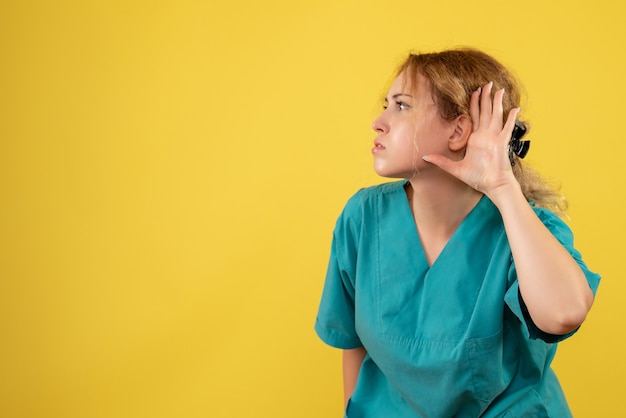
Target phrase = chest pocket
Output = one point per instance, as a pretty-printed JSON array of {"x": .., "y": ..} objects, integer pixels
[{"x": 485, "y": 358}]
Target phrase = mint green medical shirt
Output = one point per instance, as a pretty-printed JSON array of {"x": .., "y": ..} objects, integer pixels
[{"x": 450, "y": 340}]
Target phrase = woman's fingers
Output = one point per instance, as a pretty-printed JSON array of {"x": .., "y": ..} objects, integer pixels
[
  {"x": 510, "y": 123},
  {"x": 485, "y": 111},
  {"x": 475, "y": 109},
  {"x": 485, "y": 104},
  {"x": 496, "y": 116}
]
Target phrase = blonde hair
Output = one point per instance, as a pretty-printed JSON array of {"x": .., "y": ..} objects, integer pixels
[{"x": 453, "y": 76}]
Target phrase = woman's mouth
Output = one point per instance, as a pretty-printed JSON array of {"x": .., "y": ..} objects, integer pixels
[{"x": 378, "y": 146}]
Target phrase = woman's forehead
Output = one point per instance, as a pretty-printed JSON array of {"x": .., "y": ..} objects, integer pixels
[{"x": 412, "y": 85}]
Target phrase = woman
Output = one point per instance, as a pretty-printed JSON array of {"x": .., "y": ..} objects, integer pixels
[{"x": 449, "y": 289}]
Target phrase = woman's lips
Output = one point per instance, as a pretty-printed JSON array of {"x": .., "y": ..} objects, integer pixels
[{"x": 378, "y": 146}]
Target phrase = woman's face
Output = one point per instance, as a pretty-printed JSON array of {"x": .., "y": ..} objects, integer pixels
[{"x": 409, "y": 128}]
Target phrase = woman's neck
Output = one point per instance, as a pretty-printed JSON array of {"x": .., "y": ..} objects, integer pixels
[{"x": 440, "y": 207}]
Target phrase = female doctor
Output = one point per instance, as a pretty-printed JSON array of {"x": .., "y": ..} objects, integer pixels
[{"x": 448, "y": 290}]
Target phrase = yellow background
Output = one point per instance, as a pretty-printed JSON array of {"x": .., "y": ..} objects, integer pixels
[{"x": 170, "y": 173}]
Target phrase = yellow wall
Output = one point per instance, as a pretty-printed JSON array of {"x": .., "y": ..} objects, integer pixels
[{"x": 170, "y": 173}]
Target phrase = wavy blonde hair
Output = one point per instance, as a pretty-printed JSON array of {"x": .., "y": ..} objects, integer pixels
[{"x": 453, "y": 76}]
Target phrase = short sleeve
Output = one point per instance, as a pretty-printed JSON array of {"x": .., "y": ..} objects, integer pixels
[
  {"x": 335, "y": 323},
  {"x": 513, "y": 297}
]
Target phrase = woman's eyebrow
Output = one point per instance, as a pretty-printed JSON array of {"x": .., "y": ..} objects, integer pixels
[{"x": 395, "y": 96}]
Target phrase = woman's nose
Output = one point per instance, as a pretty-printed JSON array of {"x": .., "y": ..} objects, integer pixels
[{"x": 380, "y": 125}]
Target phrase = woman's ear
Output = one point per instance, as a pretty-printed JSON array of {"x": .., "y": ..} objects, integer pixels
[{"x": 462, "y": 130}]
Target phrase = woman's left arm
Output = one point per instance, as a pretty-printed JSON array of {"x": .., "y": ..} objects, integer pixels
[{"x": 552, "y": 284}]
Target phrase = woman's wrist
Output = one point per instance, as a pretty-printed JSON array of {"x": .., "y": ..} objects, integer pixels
[{"x": 506, "y": 194}]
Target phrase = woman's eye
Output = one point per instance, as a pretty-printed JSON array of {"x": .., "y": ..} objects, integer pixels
[{"x": 399, "y": 105}]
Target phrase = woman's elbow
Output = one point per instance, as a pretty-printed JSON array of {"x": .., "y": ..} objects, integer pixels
[{"x": 571, "y": 317}]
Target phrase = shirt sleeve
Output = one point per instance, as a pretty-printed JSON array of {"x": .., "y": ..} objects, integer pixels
[
  {"x": 513, "y": 297},
  {"x": 335, "y": 323}
]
